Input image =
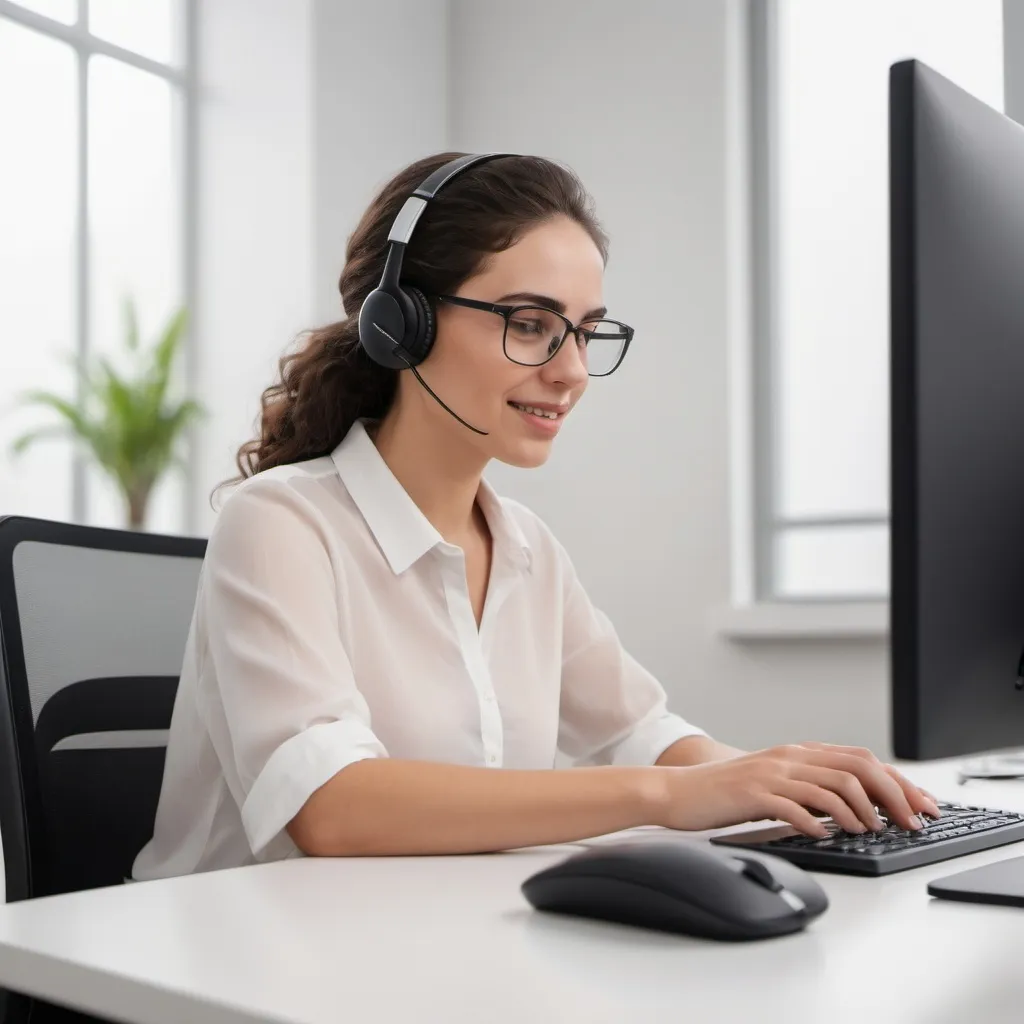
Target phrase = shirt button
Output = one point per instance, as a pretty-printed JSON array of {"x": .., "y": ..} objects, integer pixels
[
  {"x": 492, "y": 758},
  {"x": 489, "y": 698}
]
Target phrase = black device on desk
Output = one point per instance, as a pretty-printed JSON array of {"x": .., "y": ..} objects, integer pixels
[
  {"x": 1001, "y": 883},
  {"x": 957, "y": 419},
  {"x": 961, "y": 829},
  {"x": 681, "y": 885}
]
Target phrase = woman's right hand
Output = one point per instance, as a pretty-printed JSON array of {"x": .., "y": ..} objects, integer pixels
[{"x": 787, "y": 783}]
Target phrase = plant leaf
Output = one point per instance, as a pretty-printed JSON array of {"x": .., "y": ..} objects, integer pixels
[
  {"x": 126, "y": 427},
  {"x": 168, "y": 429},
  {"x": 166, "y": 349},
  {"x": 167, "y": 346},
  {"x": 20, "y": 444},
  {"x": 71, "y": 413},
  {"x": 124, "y": 418}
]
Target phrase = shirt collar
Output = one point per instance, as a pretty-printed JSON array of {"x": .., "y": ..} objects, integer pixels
[
  {"x": 402, "y": 531},
  {"x": 506, "y": 532}
]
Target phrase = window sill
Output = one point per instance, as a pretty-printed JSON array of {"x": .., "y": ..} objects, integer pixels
[{"x": 862, "y": 620}]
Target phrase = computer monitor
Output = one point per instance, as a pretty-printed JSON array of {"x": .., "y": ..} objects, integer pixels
[{"x": 957, "y": 419}]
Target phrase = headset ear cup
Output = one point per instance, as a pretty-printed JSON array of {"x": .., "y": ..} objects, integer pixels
[
  {"x": 421, "y": 340},
  {"x": 382, "y": 327}
]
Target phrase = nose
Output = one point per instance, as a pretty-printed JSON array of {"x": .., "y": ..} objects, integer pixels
[{"x": 567, "y": 367}]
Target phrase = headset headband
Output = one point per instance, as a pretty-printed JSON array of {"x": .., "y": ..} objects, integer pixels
[
  {"x": 402, "y": 228},
  {"x": 396, "y": 323}
]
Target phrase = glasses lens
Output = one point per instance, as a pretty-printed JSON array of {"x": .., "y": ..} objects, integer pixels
[
  {"x": 606, "y": 341},
  {"x": 533, "y": 334}
]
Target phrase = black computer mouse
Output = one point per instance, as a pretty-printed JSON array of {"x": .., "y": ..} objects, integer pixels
[{"x": 681, "y": 885}]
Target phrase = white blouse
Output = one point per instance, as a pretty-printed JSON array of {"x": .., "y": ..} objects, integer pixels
[{"x": 333, "y": 623}]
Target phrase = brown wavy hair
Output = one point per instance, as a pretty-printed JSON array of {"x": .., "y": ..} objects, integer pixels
[{"x": 330, "y": 382}]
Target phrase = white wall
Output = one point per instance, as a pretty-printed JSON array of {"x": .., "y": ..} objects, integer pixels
[
  {"x": 1013, "y": 56},
  {"x": 255, "y": 216},
  {"x": 380, "y": 101},
  {"x": 639, "y": 486}
]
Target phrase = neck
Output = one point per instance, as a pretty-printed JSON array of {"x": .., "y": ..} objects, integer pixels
[{"x": 440, "y": 476}]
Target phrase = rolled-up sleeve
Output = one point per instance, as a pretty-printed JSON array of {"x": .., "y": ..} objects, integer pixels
[
  {"x": 292, "y": 713},
  {"x": 612, "y": 710}
]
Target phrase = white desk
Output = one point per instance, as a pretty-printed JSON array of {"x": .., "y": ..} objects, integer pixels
[{"x": 451, "y": 940}]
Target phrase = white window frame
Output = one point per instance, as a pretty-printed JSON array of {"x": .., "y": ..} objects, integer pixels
[
  {"x": 768, "y": 523},
  {"x": 183, "y": 78},
  {"x": 763, "y": 612}
]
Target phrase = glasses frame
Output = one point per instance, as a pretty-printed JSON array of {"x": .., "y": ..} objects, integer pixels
[{"x": 505, "y": 312}]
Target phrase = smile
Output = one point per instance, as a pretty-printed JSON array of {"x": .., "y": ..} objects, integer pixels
[{"x": 545, "y": 413}]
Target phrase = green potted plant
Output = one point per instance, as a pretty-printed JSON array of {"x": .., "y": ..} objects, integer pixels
[{"x": 126, "y": 424}]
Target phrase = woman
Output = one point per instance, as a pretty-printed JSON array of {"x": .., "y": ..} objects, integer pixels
[{"x": 385, "y": 656}]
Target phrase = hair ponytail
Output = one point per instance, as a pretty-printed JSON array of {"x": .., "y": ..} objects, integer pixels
[{"x": 323, "y": 389}]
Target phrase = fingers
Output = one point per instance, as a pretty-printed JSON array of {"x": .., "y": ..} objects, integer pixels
[
  {"x": 783, "y": 809},
  {"x": 919, "y": 799},
  {"x": 811, "y": 794},
  {"x": 856, "y": 811},
  {"x": 888, "y": 788}
]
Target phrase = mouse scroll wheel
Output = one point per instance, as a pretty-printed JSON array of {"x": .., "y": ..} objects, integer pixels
[{"x": 759, "y": 873}]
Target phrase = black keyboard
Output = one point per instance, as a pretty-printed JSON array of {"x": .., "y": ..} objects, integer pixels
[{"x": 961, "y": 829}]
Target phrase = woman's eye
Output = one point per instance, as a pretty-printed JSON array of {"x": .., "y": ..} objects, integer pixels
[{"x": 527, "y": 326}]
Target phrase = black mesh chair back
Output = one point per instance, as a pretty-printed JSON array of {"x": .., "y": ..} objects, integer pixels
[{"x": 93, "y": 627}]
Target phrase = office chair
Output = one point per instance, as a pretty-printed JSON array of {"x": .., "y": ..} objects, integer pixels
[{"x": 93, "y": 625}]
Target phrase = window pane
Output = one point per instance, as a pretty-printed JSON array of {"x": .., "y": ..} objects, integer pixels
[
  {"x": 38, "y": 182},
  {"x": 832, "y": 237},
  {"x": 134, "y": 238},
  {"x": 60, "y": 10},
  {"x": 847, "y": 561},
  {"x": 148, "y": 27}
]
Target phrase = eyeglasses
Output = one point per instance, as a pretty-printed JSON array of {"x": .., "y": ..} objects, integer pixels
[{"x": 534, "y": 334}]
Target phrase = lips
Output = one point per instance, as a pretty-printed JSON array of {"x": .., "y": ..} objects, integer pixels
[
  {"x": 558, "y": 408},
  {"x": 544, "y": 411},
  {"x": 544, "y": 423}
]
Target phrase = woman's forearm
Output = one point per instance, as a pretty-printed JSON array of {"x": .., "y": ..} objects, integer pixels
[
  {"x": 691, "y": 750},
  {"x": 386, "y": 807}
]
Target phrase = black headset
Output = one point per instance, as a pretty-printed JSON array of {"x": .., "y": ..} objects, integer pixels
[{"x": 396, "y": 322}]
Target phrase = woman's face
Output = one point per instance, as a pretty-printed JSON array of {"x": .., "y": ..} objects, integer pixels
[{"x": 556, "y": 265}]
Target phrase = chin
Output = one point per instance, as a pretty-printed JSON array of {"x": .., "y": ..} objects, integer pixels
[{"x": 526, "y": 456}]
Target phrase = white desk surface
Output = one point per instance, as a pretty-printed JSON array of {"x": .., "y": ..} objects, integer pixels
[{"x": 452, "y": 940}]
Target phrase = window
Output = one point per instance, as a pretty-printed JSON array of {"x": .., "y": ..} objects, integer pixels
[
  {"x": 96, "y": 117},
  {"x": 820, "y": 141}
]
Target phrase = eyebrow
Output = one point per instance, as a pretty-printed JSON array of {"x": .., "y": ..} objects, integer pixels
[{"x": 551, "y": 303}]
